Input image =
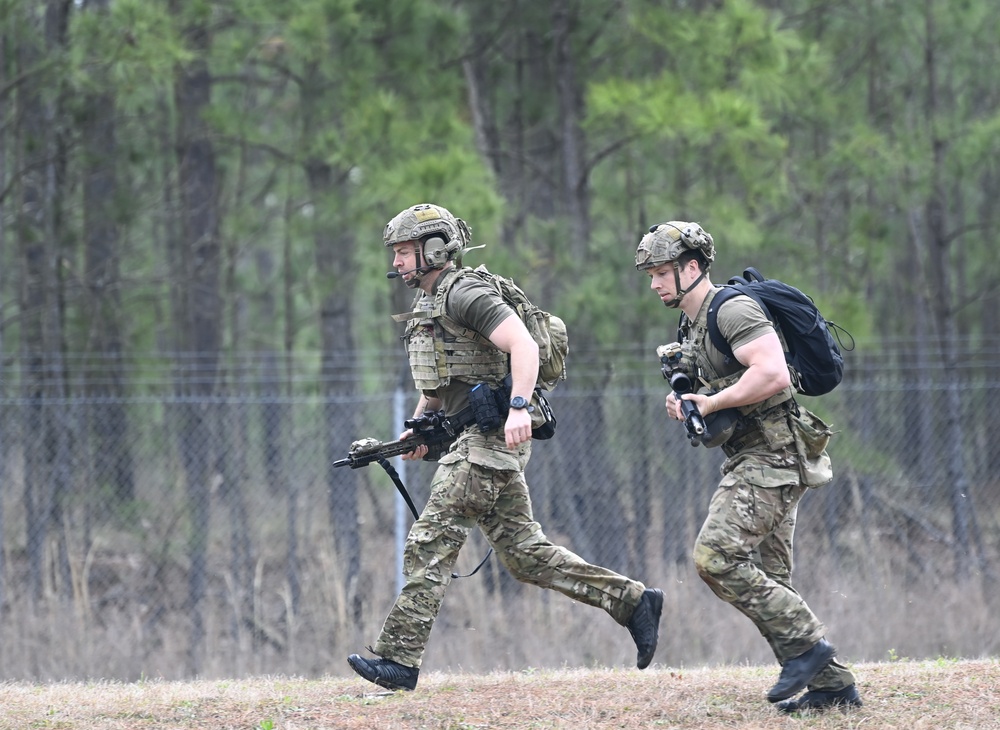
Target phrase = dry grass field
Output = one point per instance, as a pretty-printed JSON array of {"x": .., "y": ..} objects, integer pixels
[{"x": 929, "y": 695}]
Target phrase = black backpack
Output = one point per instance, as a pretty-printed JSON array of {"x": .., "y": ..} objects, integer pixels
[{"x": 811, "y": 351}]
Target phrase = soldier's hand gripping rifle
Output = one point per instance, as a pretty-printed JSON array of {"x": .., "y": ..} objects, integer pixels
[
  {"x": 430, "y": 429},
  {"x": 680, "y": 382}
]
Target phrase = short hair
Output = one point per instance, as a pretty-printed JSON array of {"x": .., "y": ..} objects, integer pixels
[{"x": 693, "y": 255}]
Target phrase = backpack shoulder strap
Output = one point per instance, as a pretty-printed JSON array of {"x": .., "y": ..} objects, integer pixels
[
  {"x": 714, "y": 334},
  {"x": 441, "y": 301},
  {"x": 725, "y": 294},
  {"x": 444, "y": 289}
]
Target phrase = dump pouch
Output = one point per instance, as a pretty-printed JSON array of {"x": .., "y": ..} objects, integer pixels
[
  {"x": 543, "y": 416},
  {"x": 543, "y": 419},
  {"x": 812, "y": 435}
]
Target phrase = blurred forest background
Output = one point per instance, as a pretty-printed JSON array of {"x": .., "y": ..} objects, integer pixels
[{"x": 194, "y": 315}]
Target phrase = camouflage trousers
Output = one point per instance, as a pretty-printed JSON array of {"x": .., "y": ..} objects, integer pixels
[
  {"x": 479, "y": 482},
  {"x": 744, "y": 553}
]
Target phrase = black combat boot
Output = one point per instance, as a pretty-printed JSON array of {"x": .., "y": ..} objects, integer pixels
[
  {"x": 798, "y": 672},
  {"x": 819, "y": 699},
  {"x": 644, "y": 625},
  {"x": 385, "y": 672}
]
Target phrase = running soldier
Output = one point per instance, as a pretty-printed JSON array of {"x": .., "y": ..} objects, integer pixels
[
  {"x": 776, "y": 450},
  {"x": 480, "y": 481}
]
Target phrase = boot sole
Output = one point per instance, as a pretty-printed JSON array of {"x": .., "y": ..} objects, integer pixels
[
  {"x": 830, "y": 701},
  {"x": 793, "y": 690},
  {"x": 361, "y": 667}
]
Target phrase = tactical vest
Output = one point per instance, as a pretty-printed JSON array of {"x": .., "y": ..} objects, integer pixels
[
  {"x": 439, "y": 349},
  {"x": 764, "y": 423}
]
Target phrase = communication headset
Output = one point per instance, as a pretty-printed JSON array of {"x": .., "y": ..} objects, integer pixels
[{"x": 437, "y": 252}]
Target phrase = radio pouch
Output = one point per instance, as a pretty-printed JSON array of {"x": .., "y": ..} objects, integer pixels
[{"x": 485, "y": 410}]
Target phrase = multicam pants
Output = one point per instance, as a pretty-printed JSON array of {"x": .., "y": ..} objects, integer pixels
[
  {"x": 744, "y": 554},
  {"x": 481, "y": 482}
]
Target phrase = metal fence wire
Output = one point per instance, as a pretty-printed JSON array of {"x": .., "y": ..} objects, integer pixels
[{"x": 170, "y": 533}]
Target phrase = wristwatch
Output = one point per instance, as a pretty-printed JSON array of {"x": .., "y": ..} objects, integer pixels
[{"x": 519, "y": 401}]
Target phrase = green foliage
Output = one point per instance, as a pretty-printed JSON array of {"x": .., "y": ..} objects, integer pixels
[
  {"x": 848, "y": 148},
  {"x": 894, "y": 657},
  {"x": 804, "y": 141},
  {"x": 131, "y": 51},
  {"x": 978, "y": 145}
]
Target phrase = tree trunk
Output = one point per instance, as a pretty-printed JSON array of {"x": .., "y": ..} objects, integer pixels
[
  {"x": 939, "y": 269},
  {"x": 575, "y": 193},
  {"x": 40, "y": 222},
  {"x": 113, "y": 468},
  {"x": 334, "y": 251},
  {"x": 5, "y": 413},
  {"x": 200, "y": 321}
]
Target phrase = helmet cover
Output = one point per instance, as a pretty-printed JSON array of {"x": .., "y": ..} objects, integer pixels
[
  {"x": 666, "y": 242},
  {"x": 447, "y": 235}
]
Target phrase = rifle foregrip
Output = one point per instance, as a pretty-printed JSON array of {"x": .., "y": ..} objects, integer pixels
[{"x": 395, "y": 448}]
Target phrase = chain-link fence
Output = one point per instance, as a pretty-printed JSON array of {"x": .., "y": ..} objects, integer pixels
[{"x": 180, "y": 535}]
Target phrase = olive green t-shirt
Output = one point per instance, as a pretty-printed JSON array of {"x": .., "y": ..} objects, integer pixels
[
  {"x": 474, "y": 304},
  {"x": 740, "y": 320}
]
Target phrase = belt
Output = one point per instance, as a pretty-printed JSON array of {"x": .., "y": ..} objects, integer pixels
[
  {"x": 734, "y": 446},
  {"x": 754, "y": 436},
  {"x": 457, "y": 423}
]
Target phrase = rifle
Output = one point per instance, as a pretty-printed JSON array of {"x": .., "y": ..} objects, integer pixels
[
  {"x": 680, "y": 382},
  {"x": 430, "y": 429}
]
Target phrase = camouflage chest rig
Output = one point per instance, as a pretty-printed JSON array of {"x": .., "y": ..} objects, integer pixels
[
  {"x": 759, "y": 426},
  {"x": 440, "y": 349}
]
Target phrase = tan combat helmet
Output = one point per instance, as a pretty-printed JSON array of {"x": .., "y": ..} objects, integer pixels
[
  {"x": 444, "y": 237},
  {"x": 665, "y": 242}
]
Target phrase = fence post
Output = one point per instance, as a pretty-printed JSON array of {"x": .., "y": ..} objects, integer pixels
[{"x": 398, "y": 416}]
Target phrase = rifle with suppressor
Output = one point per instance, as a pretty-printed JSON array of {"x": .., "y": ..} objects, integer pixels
[
  {"x": 680, "y": 382},
  {"x": 709, "y": 431}
]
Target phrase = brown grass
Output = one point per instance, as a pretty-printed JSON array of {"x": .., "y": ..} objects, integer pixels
[{"x": 914, "y": 695}]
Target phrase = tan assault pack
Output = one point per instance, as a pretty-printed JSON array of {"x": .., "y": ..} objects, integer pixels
[{"x": 546, "y": 329}]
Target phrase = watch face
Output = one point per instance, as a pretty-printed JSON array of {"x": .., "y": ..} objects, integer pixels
[{"x": 518, "y": 402}]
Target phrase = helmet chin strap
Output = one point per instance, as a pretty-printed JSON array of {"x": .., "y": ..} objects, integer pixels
[
  {"x": 676, "y": 301},
  {"x": 418, "y": 273}
]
